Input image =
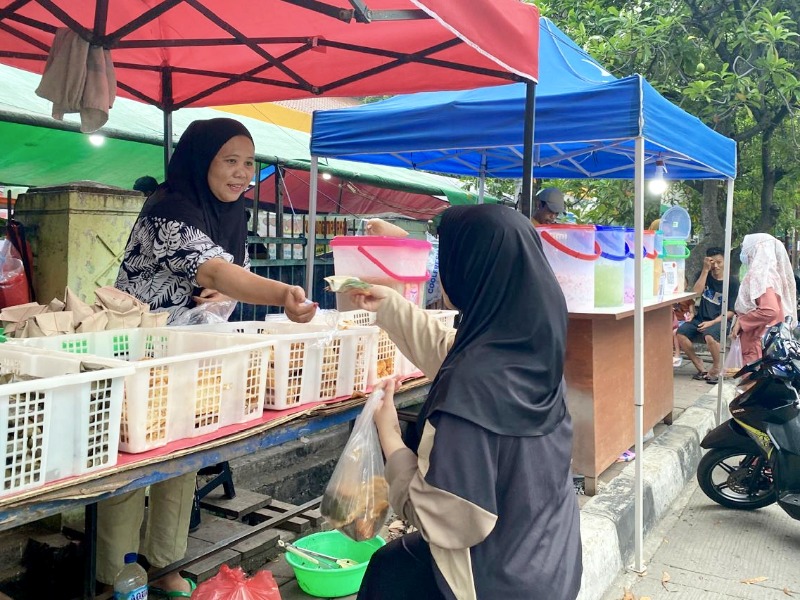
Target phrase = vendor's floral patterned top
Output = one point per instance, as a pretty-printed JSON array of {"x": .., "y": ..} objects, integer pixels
[{"x": 161, "y": 262}]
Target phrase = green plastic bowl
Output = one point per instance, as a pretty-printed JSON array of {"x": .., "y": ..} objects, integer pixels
[{"x": 332, "y": 583}]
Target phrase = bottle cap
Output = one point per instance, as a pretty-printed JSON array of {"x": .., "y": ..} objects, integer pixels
[{"x": 131, "y": 557}]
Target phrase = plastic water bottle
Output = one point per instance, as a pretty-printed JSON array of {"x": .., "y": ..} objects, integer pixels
[{"x": 131, "y": 581}]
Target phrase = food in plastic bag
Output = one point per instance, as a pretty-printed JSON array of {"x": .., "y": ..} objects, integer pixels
[
  {"x": 233, "y": 584},
  {"x": 356, "y": 499},
  {"x": 207, "y": 312},
  {"x": 733, "y": 358}
]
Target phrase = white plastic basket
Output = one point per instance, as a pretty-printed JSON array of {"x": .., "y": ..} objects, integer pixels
[
  {"x": 63, "y": 423},
  {"x": 184, "y": 384},
  {"x": 389, "y": 361},
  {"x": 310, "y": 361}
]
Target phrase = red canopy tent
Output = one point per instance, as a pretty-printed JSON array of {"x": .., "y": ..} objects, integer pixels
[
  {"x": 176, "y": 53},
  {"x": 336, "y": 195}
]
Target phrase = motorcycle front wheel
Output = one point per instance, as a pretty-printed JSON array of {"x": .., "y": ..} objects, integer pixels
[{"x": 736, "y": 479}]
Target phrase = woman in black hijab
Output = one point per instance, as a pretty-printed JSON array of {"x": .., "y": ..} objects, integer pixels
[
  {"x": 490, "y": 489},
  {"x": 187, "y": 247}
]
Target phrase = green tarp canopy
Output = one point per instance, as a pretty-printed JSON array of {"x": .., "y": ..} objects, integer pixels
[{"x": 37, "y": 150}]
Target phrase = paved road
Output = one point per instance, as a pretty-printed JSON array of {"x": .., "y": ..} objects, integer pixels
[{"x": 702, "y": 551}]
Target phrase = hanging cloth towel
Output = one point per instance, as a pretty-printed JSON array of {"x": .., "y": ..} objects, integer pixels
[{"x": 79, "y": 78}]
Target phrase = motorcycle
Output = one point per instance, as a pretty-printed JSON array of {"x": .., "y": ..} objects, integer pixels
[{"x": 753, "y": 459}]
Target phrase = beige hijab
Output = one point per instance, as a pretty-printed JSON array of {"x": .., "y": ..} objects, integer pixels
[{"x": 768, "y": 266}]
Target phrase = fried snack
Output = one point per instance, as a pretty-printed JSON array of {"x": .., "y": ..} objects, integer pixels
[{"x": 358, "y": 512}]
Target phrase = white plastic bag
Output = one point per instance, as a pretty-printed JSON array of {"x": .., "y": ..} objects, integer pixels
[
  {"x": 733, "y": 357},
  {"x": 356, "y": 499},
  {"x": 207, "y": 312}
]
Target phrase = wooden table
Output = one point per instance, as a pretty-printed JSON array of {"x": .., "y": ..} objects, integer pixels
[{"x": 599, "y": 375}]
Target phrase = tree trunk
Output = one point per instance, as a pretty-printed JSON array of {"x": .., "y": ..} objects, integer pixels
[
  {"x": 769, "y": 212},
  {"x": 713, "y": 229}
]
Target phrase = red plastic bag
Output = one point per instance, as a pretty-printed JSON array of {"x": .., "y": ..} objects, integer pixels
[{"x": 233, "y": 584}]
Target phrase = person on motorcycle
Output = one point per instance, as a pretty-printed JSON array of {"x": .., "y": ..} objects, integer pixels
[{"x": 767, "y": 294}]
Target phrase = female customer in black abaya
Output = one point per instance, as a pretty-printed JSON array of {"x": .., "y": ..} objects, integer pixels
[
  {"x": 490, "y": 488},
  {"x": 187, "y": 247}
]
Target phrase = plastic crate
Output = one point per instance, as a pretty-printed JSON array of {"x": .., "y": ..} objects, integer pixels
[
  {"x": 389, "y": 361},
  {"x": 185, "y": 384},
  {"x": 64, "y": 422},
  {"x": 310, "y": 361}
]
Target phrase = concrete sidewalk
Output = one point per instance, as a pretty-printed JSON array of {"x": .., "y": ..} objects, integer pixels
[
  {"x": 670, "y": 462},
  {"x": 702, "y": 551}
]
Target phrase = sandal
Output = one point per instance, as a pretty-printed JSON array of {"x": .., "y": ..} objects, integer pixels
[
  {"x": 161, "y": 593},
  {"x": 700, "y": 375},
  {"x": 712, "y": 379}
]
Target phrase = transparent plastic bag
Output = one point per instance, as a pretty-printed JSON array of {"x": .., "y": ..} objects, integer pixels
[
  {"x": 207, "y": 312},
  {"x": 233, "y": 584},
  {"x": 733, "y": 357},
  {"x": 356, "y": 499}
]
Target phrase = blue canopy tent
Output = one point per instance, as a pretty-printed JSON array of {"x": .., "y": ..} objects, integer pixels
[{"x": 588, "y": 124}]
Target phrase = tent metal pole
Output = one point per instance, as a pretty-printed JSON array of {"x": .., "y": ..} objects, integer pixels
[
  {"x": 166, "y": 96},
  {"x": 482, "y": 178},
  {"x": 638, "y": 352},
  {"x": 526, "y": 201},
  {"x": 311, "y": 238},
  {"x": 726, "y": 277}
]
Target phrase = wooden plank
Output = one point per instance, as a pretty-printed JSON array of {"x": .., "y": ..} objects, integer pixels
[
  {"x": 295, "y": 524},
  {"x": 242, "y": 504},
  {"x": 208, "y": 567},
  {"x": 215, "y": 529},
  {"x": 314, "y": 516}
]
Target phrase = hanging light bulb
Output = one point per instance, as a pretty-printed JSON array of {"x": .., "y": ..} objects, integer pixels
[
  {"x": 326, "y": 176},
  {"x": 97, "y": 139},
  {"x": 658, "y": 185}
]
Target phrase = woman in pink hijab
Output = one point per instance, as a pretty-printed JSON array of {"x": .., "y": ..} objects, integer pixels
[{"x": 767, "y": 292}]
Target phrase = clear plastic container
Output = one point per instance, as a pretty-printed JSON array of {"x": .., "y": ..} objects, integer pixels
[
  {"x": 572, "y": 251},
  {"x": 609, "y": 270},
  {"x": 131, "y": 582},
  {"x": 676, "y": 223}
]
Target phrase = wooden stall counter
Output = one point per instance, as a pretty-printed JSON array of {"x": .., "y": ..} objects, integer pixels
[{"x": 599, "y": 375}]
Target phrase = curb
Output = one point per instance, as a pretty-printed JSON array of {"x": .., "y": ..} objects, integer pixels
[{"x": 607, "y": 519}]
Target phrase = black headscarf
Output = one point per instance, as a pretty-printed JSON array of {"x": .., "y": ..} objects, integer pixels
[
  {"x": 185, "y": 195},
  {"x": 505, "y": 369}
]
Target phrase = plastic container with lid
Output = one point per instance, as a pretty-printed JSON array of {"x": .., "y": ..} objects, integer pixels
[
  {"x": 648, "y": 265},
  {"x": 572, "y": 251},
  {"x": 400, "y": 263},
  {"x": 676, "y": 223},
  {"x": 609, "y": 269}
]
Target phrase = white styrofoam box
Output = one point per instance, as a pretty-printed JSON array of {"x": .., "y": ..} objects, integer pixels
[
  {"x": 64, "y": 422},
  {"x": 185, "y": 384},
  {"x": 311, "y": 361},
  {"x": 389, "y": 361}
]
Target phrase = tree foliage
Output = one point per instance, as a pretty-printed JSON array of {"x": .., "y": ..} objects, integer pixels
[{"x": 735, "y": 64}]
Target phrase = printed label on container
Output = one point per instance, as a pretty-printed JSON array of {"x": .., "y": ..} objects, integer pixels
[{"x": 137, "y": 594}]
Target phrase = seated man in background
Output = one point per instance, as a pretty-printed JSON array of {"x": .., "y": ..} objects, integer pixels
[{"x": 707, "y": 322}]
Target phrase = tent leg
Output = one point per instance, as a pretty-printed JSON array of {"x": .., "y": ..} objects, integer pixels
[
  {"x": 638, "y": 353},
  {"x": 166, "y": 98},
  {"x": 526, "y": 201},
  {"x": 726, "y": 277},
  {"x": 311, "y": 240},
  {"x": 482, "y": 179}
]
